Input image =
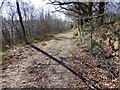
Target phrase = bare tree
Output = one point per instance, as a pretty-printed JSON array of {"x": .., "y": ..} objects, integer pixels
[{"x": 1, "y": 5}]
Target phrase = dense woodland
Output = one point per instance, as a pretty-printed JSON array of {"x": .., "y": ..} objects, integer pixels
[
  {"x": 36, "y": 23},
  {"x": 94, "y": 54}
]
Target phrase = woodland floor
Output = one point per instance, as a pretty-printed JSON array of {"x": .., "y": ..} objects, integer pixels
[{"x": 25, "y": 67}]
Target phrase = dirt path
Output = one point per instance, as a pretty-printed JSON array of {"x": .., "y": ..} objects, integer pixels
[{"x": 30, "y": 68}]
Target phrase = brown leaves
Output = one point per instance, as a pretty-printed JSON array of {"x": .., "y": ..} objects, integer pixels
[{"x": 86, "y": 64}]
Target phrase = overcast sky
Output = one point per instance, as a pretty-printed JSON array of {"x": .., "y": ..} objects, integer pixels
[
  {"x": 42, "y": 4},
  {"x": 37, "y": 4}
]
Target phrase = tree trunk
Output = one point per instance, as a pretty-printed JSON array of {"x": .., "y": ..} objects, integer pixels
[
  {"x": 90, "y": 8},
  {"x": 21, "y": 21},
  {"x": 101, "y": 10}
]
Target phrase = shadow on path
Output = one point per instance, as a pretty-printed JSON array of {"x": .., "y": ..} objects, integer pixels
[{"x": 59, "y": 61}]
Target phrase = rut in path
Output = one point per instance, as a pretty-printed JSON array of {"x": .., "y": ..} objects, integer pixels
[{"x": 29, "y": 68}]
